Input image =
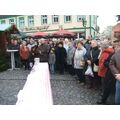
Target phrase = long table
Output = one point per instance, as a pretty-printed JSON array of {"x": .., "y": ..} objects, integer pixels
[{"x": 37, "y": 89}]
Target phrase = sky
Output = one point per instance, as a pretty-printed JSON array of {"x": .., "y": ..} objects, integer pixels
[{"x": 106, "y": 20}]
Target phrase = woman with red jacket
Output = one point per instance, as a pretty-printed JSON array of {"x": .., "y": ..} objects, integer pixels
[
  {"x": 24, "y": 55},
  {"x": 106, "y": 50}
]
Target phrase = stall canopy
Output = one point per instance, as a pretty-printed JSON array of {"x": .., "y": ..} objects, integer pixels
[
  {"x": 39, "y": 34},
  {"x": 63, "y": 32}
]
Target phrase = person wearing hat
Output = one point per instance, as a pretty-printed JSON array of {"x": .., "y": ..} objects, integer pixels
[{"x": 61, "y": 56}]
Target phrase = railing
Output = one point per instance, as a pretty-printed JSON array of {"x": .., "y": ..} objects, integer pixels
[{"x": 37, "y": 90}]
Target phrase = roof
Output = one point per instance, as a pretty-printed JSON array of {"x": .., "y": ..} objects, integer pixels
[{"x": 7, "y": 16}]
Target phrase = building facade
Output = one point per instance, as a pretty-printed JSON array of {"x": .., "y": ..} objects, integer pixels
[{"x": 81, "y": 25}]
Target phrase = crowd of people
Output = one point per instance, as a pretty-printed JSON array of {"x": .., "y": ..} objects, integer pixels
[{"x": 94, "y": 62}]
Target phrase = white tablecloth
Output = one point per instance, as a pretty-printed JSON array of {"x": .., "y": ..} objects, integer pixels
[{"x": 37, "y": 90}]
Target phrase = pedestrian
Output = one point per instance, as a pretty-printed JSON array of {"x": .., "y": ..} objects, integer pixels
[
  {"x": 105, "y": 52},
  {"x": 91, "y": 59},
  {"x": 79, "y": 61},
  {"x": 87, "y": 44},
  {"x": 109, "y": 81},
  {"x": 43, "y": 50},
  {"x": 115, "y": 69},
  {"x": 70, "y": 54},
  {"x": 61, "y": 56},
  {"x": 34, "y": 52},
  {"x": 66, "y": 41},
  {"x": 65, "y": 45},
  {"x": 52, "y": 60},
  {"x": 24, "y": 54}
]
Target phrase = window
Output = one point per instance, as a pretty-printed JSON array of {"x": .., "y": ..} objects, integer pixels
[
  {"x": 55, "y": 18},
  {"x": 44, "y": 19},
  {"x": 30, "y": 21},
  {"x": 80, "y": 17},
  {"x": 21, "y": 22},
  {"x": 11, "y": 21},
  {"x": 2, "y": 21},
  {"x": 67, "y": 18}
]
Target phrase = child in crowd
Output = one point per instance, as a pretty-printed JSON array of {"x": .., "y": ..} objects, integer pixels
[{"x": 52, "y": 60}]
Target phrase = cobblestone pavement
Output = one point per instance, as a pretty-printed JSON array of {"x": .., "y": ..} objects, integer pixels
[
  {"x": 11, "y": 82},
  {"x": 65, "y": 89}
]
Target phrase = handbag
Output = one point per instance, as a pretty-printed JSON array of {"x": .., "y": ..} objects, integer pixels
[
  {"x": 89, "y": 71},
  {"x": 95, "y": 68}
]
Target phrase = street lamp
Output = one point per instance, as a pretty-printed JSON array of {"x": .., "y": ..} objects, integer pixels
[{"x": 84, "y": 23}]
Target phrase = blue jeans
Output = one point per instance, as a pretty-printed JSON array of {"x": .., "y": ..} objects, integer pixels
[
  {"x": 52, "y": 68},
  {"x": 117, "y": 93}
]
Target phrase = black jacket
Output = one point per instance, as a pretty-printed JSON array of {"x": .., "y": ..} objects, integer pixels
[
  {"x": 92, "y": 55},
  {"x": 61, "y": 55}
]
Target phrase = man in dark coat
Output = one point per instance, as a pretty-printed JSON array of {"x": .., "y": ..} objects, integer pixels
[
  {"x": 61, "y": 55},
  {"x": 43, "y": 50}
]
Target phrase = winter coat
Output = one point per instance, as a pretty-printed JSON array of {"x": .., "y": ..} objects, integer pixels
[
  {"x": 92, "y": 55},
  {"x": 52, "y": 58},
  {"x": 70, "y": 54},
  {"x": 115, "y": 63},
  {"x": 24, "y": 52},
  {"x": 109, "y": 78},
  {"x": 61, "y": 55},
  {"x": 43, "y": 51},
  {"x": 87, "y": 45},
  {"x": 104, "y": 55},
  {"x": 79, "y": 56},
  {"x": 34, "y": 51}
]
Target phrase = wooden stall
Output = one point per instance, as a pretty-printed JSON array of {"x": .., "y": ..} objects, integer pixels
[{"x": 5, "y": 31}]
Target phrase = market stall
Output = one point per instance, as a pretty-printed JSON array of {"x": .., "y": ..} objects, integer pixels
[{"x": 5, "y": 31}]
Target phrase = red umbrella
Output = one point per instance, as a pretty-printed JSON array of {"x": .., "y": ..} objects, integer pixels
[
  {"x": 39, "y": 34},
  {"x": 63, "y": 33}
]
